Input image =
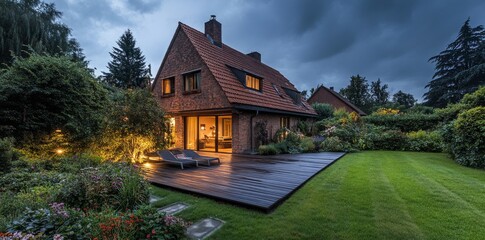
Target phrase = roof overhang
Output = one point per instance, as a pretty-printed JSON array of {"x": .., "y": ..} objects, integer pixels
[{"x": 271, "y": 110}]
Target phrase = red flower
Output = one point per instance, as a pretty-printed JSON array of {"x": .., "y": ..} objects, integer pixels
[
  {"x": 153, "y": 231},
  {"x": 148, "y": 236}
]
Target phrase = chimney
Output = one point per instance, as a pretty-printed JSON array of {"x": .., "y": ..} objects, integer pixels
[
  {"x": 331, "y": 88},
  {"x": 213, "y": 30},
  {"x": 255, "y": 55}
]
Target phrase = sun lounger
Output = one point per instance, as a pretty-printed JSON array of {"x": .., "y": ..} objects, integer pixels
[
  {"x": 168, "y": 156},
  {"x": 201, "y": 159}
]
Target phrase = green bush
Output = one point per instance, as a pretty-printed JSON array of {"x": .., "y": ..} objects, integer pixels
[
  {"x": 6, "y": 154},
  {"x": 423, "y": 141},
  {"x": 269, "y": 149},
  {"x": 120, "y": 186},
  {"x": 468, "y": 146},
  {"x": 12, "y": 206},
  {"x": 23, "y": 181},
  {"x": 334, "y": 144},
  {"x": 307, "y": 145},
  {"x": 405, "y": 122},
  {"x": 59, "y": 222},
  {"x": 379, "y": 138},
  {"x": 324, "y": 110}
]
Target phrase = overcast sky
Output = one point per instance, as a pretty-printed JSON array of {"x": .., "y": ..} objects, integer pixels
[{"x": 310, "y": 42}]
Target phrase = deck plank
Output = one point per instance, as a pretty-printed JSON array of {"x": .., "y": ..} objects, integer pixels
[{"x": 261, "y": 182}]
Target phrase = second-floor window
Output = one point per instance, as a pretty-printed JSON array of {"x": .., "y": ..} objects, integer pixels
[
  {"x": 192, "y": 82},
  {"x": 168, "y": 86},
  {"x": 253, "y": 82}
]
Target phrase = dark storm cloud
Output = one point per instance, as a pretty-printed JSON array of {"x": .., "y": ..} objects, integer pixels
[{"x": 309, "y": 41}]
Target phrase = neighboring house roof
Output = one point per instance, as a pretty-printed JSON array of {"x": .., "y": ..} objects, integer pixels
[
  {"x": 322, "y": 90},
  {"x": 276, "y": 90}
]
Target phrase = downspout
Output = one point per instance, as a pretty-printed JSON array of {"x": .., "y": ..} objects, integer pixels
[{"x": 251, "y": 131}]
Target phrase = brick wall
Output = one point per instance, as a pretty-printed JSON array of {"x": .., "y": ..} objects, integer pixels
[
  {"x": 242, "y": 128},
  {"x": 182, "y": 57},
  {"x": 324, "y": 96}
]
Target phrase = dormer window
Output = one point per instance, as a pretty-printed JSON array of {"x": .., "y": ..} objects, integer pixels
[
  {"x": 168, "y": 86},
  {"x": 253, "y": 82},
  {"x": 192, "y": 82}
]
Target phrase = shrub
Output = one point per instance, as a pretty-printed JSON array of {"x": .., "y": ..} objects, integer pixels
[
  {"x": 59, "y": 222},
  {"x": 13, "y": 205},
  {"x": 6, "y": 154},
  {"x": 420, "y": 109},
  {"x": 469, "y": 138},
  {"x": 307, "y": 145},
  {"x": 268, "y": 149},
  {"x": 324, "y": 110},
  {"x": 424, "y": 141},
  {"x": 334, "y": 144},
  {"x": 379, "y": 138},
  {"x": 111, "y": 185},
  {"x": 22, "y": 181},
  {"x": 261, "y": 131},
  {"x": 405, "y": 122}
]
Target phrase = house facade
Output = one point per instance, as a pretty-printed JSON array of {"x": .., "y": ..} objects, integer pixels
[
  {"x": 215, "y": 95},
  {"x": 329, "y": 96}
]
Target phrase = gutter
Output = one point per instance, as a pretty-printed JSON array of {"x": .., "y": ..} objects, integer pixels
[{"x": 251, "y": 129}]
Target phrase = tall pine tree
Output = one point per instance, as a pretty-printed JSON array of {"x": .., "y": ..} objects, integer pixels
[
  {"x": 459, "y": 69},
  {"x": 127, "y": 69}
]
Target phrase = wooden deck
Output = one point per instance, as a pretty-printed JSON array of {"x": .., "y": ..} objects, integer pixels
[{"x": 261, "y": 182}]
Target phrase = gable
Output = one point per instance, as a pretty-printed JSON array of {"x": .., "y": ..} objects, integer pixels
[
  {"x": 325, "y": 95},
  {"x": 182, "y": 58}
]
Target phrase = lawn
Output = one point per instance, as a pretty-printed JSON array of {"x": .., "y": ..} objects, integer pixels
[{"x": 365, "y": 195}]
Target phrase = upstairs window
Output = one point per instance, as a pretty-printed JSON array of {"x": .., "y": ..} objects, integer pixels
[
  {"x": 253, "y": 82},
  {"x": 168, "y": 86},
  {"x": 192, "y": 82}
]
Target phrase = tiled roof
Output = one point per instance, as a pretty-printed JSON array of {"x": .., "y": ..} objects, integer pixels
[
  {"x": 218, "y": 59},
  {"x": 342, "y": 98}
]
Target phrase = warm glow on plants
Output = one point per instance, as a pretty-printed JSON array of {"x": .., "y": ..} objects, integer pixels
[{"x": 60, "y": 151}]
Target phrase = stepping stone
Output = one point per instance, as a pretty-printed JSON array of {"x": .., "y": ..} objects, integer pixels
[
  {"x": 154, "y": 198},
  {"x": 204, "y": 228},
  {"x": 174, "y": 208}
]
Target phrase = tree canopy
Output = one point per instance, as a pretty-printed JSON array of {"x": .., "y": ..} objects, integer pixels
[
  {"x": 379, "y": 93},
  {"x": 32, "y": 25},
  {"x": 459, "y": 69},
  {"x": 127, "y": 68},
  {"x": 403, "y": 99},
  {"x": 41, "y": 94},
  {"x": 357, "y": 92}
]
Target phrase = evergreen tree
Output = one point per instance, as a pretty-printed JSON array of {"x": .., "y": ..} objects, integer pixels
[
  {"x": 456, "y": 67},
  {"x": 127, "y": 68},
  {"x": 403, "y": 99},
  {"x": 379, "y": 93},
  {"x": 32, "y": 25},
  {"x": 357, "y": 92}
]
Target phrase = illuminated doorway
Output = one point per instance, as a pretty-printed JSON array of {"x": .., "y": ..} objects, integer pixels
[{"x": 209, "y": 133}]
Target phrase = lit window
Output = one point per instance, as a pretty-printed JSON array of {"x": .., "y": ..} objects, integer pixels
[
  {"x": 285, "y": 122},
  {"x": 168, "y": 86},
  {"x": 192, "y": 82},
  {"x": 253, "y": 82}
]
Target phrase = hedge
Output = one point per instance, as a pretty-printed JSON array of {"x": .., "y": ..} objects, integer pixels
[{"x": 405, "y": 122}]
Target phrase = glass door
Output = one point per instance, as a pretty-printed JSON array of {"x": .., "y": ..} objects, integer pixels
[
  {"x": 191, "y": 133},
  {"x": 225, "y": 134},
  {"x": 207, "y": 133}
]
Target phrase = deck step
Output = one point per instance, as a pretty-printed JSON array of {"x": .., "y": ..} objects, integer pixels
[
  {"x": 204, "y": 228},
  {"x": 174, "y": 208}
]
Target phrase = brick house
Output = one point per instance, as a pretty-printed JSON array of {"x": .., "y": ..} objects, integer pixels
[
  {"x": 215, "y": 94},
  {"x": 328, "y": 95}
]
